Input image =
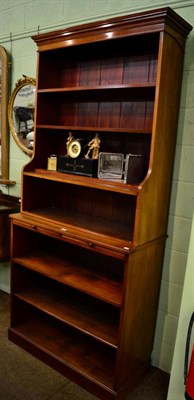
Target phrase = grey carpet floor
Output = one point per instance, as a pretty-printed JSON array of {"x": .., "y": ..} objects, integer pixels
[{"x": 23, "y": 377}]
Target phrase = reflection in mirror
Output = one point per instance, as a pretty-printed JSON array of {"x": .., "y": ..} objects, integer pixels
[
  {"x": 21, "y": 113},
  {"x": 4, "y": 173}
]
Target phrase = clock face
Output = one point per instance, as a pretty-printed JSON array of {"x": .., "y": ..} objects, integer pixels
[{"x": 74, "y": 148}]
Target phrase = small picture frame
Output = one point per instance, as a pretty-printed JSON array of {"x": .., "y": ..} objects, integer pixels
[
  {"x": 52, "y": 163},
  {"x": 110, "y": 165}
]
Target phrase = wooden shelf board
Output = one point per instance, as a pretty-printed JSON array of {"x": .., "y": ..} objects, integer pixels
[
  {"x": 101, "y": 326},
  {"x": 146, "y": 85},
  {"x": 72, "y": 275},
  {"x": 92, "y": 128},
  {"x": 71, "y": 352},
  {"x": 80, "y": 180}
]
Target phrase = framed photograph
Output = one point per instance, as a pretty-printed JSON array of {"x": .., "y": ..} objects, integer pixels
[
  {"x": 110, "y": 165},
  {"x": 52, "y": 163}
]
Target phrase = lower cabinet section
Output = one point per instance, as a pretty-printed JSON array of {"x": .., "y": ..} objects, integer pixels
[{"x": 83, "y": 311}]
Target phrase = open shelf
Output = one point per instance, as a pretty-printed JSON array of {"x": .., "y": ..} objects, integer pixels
[
  {"x": 72, "y": 275},
  {"x": 86, "y": 223},
  {"x": 74, "y": 350},
  {"x": 106, "y": 63},
  {"x": 66, "y": 206},
  {"x": 132, "y": 109},
  {"x": 145, "y": 85},
  {"x": 74, "y": 266},
  {"x": 103, "y": 184},
  {"x": 105, "y": 231},
  {"x": 62, "y": 305}
]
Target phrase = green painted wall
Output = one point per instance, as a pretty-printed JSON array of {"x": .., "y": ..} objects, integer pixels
[{"x": 19, "y": 20}]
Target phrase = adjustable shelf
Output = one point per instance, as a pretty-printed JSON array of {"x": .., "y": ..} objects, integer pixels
[
  {"x": 102, "y": 326},
  {"x": 96, "y": 88},
  {"x": 68, "y": 350},
  {"x": 71, "y": 275},
  {"x": 104, "y": 184}
]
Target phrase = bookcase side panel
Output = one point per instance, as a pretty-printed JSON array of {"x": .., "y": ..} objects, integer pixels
[{"x": 153, "y": 202}]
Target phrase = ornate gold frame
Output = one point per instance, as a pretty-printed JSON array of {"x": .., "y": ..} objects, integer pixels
[
  {"x": 26, "y": 80},
  {"x": 4, "y": 175}
]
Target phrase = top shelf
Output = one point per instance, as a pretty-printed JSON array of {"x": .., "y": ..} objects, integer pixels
[{"x": 119, "y": 64}]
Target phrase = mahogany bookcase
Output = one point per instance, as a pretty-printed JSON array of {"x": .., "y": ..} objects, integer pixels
[{"x": 87, "y": 253}]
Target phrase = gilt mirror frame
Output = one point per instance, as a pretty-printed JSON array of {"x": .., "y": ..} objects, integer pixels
[
  {"x": 4, "y": 144},
  {"x": 25, "y": 89}
]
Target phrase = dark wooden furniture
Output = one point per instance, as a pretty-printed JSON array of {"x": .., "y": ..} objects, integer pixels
[
  {"x": 85, "y": 285},
  {"x": 8, "y": 204}
]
